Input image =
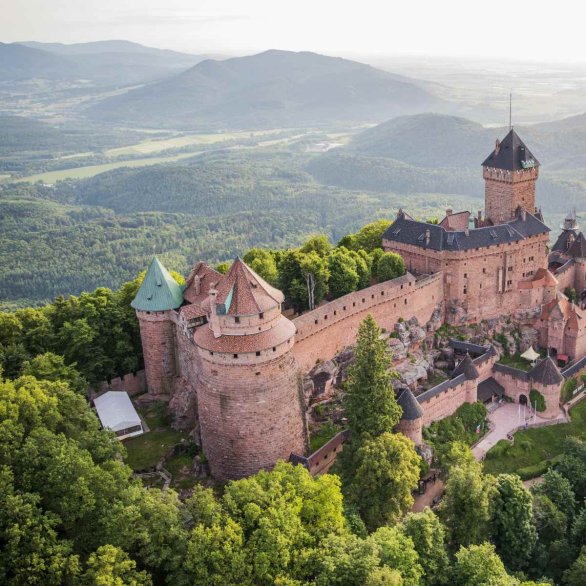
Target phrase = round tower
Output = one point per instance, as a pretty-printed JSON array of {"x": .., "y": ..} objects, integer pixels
[
  {"x": 546, "y": 378},
  {"x": 468, "y": 369},
  {"x": 249, "y": 397},
  {"x": 411, "y": 422},
  {"x": 156, "y": 299}
]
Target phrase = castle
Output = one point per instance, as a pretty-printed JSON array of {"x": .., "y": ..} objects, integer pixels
[{"x": 228, "y": 359}]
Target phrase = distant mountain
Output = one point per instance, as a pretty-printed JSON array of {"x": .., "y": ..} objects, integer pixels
[
  {"x": 18, "y": 63},
  {"x": 109, "y": 63},
  {"x": 427, "y": 140},
  {"x": 271, "y": 89}
]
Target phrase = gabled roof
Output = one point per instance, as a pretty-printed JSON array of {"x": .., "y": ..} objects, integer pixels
[
  {"x": 546, "y": 372},
  {"x": 435, "y": 237},
  {"x": 159, "y": 291},
  {"x": 578, "y": 248},
  {"x": 511, "y": 154},
  {"x": 467, "y": 368},
  {"x": 489, "y": 388},
  {"x": 242, "y": 292},
  {"x": 411, "y": 407},
  {"x": 207, "y": 277}
]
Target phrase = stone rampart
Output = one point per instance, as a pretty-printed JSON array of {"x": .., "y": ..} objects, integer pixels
[{"x": 325, "y": 331}]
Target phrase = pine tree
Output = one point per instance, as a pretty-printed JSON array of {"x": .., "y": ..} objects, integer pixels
[{"x": 369, "y": 398}]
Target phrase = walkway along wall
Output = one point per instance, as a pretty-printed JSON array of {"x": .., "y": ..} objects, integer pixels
[{"x": 327, "y": 330}]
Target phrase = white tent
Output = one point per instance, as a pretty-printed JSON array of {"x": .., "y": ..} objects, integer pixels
[
  {"x": 116, "y": 412},
  {"x": 530, "y": 354}
]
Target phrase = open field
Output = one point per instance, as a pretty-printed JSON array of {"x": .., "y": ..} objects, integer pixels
[
  {"x": 148, "y": 147},
  {"x": 51, "y": 177},
  {"x": 535, "y": 445}
]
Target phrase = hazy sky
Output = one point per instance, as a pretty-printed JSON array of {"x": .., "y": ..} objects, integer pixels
[{"x": 525, "y": 30}]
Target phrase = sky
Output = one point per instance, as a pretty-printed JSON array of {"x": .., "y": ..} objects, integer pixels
[{"x": 535, "y": 30}]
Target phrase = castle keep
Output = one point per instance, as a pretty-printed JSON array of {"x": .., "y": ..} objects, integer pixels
[{"x": 231, "y": 363}]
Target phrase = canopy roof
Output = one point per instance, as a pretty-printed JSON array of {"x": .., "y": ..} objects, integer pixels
[
  {"x": 530, "y": 354},
  {"x": 116, "y": 411},
  {"x": 159, "y": 291}
]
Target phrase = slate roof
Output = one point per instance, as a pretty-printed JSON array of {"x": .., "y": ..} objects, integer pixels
[
  {"x": 561, "y": 244},
  {"x": 488, "y": 388},
  {"x": 514, "y": 372},
  {"x": 468, "y": 346},
  {"x": 159, "y": 291},
  {"x": 445, "y": 386},
  {"x": 242, "y": 292},
  {"x": 510, "y": 153},
  {"x": 411, "y": 408},
  {"x": 546, "y": 372},
  {"x": 408, "y": 231},
  {"x": 578, "y": 248},
  {"x": 467, "y": 368},
  {"x": 574, "y": 368}
]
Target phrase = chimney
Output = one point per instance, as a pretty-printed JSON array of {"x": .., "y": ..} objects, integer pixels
[
  {"x": 497, "y": 146},
  {"x": 467, "y": 232},
  {"x": 449, "y": 212},
  {"x": 427, "y": 237},
  {"x": 214, "y": 319},
  {"x": 197, "y": 284},
  {"x": 479, "y": 215}
]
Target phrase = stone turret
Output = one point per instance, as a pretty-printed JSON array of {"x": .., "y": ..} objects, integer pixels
[
  {"x": 155, "y": 303},
  {"x": 249, "y": 399},
  {"x": 467, "y": 368},
  {"x": 510, "y": 173},
  {"x": 411, "y": 423},
  {"x": 546, "y": 378}
]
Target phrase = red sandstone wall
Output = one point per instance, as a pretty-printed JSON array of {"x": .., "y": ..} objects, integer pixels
[
  {"x": 327, "y": 330},
  {"x": 133, "y": 384},
  {"x": 566, "y": 278},
  {"x": 444, "y": 404},
  {"x": 250, "y": 415}
]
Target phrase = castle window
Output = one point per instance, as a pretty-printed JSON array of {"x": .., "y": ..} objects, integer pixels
[
  {"x": 509, "y": 282},
  {"x": 274, "y": 348},
  {"x": 261, "y": 315},
  {"x": 484, "y": 269},
  {"x": 372, "y": 296},
  {"x": 214, "y": 372},
  {"x": 353, "y": 303},
  {"x": 465, "y": 275},
  {"x": 211, "y": 353},
  {"x": 465, "y": 290},
  {"x": 480, "y": 286},
  {"x": 237, "y": 320},
  {"x": 344, "y": 308},
  {"x": 257, "y": 373},
  {"x": 382, "y": 293},
  {"x": 363, "y": 300},
  {"x": 405, "y": 302},
  {"x": 325, "y": 317},
  {"x": 257, "y": 353},
  {"x": 335, "y": 312},
  {"x": 235, "y": 355},
  {"x": 316, "y": 322}
]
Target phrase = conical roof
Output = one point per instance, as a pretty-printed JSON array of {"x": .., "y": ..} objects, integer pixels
[
  {"x": 578, "y": 248},
  {"x": 511, "y": 154},
  {"x": 467, "y": 368},
  {"x": 159, "y": 291},
  {"x": 546, "y": 372},
  {"x": 242, "y": 292},
  {"x": 410, "y": 405}
]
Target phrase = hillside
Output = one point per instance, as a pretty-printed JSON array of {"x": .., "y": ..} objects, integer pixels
[
  {"x": 436, "y": 140},
  {"x": 271, "y": 89},
  {"x": 106, "y": 63}
]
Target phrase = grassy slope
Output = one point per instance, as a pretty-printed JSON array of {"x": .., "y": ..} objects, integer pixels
[{"x": 537, "y": 444}]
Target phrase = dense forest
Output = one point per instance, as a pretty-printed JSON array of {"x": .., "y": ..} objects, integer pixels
[{"x": 72, "y": 513}]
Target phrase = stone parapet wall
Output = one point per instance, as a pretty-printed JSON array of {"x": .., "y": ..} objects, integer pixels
[
  {"x": 325, "y": 331},
  {"x": 132, "y": 383}
]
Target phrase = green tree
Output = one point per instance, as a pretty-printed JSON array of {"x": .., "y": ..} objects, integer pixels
[
  {"x": 397, "y": 551},
  {"x": 51, "y": 367},
  {"x": 428, "y": 536},
  {"x": 369, "y": 399},
  {"x": 384, "y": 577},
  {"x": 344, "y": 275},
  {"x": 551, "y": 524},
  {"x": 315, "y": 272},
  {"x": 111, "y": 566},
  {"x": 479, "y": 565},
  {"x": 576, "y": 574},
  {"x": 386, "y": 471},
  {"x": 320, "y": 244},
  {"x": 511, "y": 525},
  {"x": 559, "y": 490},
  {"x": 465, "y": 508},
  {"x": 370, "y": 237},
  {"x": 390, "y": 266},
  {"x": 263, "y": 262}
]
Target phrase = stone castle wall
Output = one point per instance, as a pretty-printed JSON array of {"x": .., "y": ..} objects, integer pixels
[{"x": 325, "y": 331}]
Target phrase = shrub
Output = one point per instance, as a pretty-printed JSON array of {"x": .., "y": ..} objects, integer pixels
[
  {"x": 568, "y": 389},
  {"x": 535, "y": 470},
  {"x": 537, "y": 400},
  {"x": 501, "y": 448}
]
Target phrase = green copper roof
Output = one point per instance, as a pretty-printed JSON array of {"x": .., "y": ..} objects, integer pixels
[{"x": 159, "y": 291}]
